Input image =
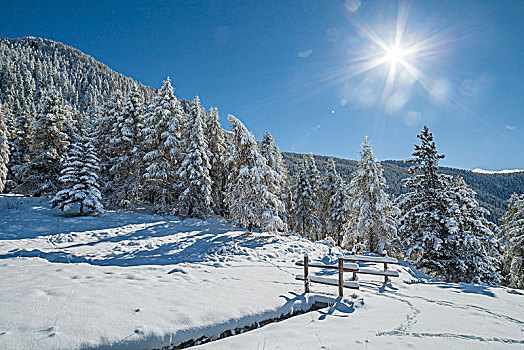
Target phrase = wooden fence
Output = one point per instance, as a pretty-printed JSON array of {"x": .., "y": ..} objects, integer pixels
[{"x": 351, "y": 266}]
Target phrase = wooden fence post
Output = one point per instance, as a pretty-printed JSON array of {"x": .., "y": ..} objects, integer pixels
[
  {"x": 354, "y": 273},
  {"x": 306, "y": 274},
  {"x": 341, "y": 277},
  {"x": 385, "y": 268}
]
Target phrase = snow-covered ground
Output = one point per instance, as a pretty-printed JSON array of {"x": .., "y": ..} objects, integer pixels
[{"x": 132, "y": 280}]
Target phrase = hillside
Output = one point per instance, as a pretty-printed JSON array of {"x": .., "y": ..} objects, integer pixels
[
  {"x": 128, "y": 280},
  {"x": 29, "y": 64},
  {"x": 493, "y": 190}
]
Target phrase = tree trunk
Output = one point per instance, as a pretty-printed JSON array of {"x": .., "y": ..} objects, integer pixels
[{"x": 250, "y": 227}]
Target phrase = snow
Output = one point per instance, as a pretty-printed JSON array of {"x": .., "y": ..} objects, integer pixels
[
  {"x": 375, "y": 259},
  {"x": 140, "y": 281},
  {"x": 430, "y": 315},
  {"x": 505, "y": 171}
]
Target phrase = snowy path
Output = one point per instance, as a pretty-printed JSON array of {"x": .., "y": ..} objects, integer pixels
[{"x": 131, "y": 280}]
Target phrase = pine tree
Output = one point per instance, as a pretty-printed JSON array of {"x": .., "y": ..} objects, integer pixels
[
  {"x": 252, "y": 192},
  {"x": 327, "y": 189},
  {"x": 306, "y": 206},
  {"x": 427, "y": 220},
  {"x": 161, "y": 147},
  {"x": 4, "y": 153},
  {"x": 193, "y": 173},
  {"x": 105, "y": 134},
  {"x": 9, "y": 115},
  {"x": 513, "y": 234},
  {"x": 217, "y": 160},
  {"x": 339, "y": 212},
  {"x": 21, "y": 142},
  {"x": 126, "y": 154},
  {"x": 314, "y": 175},
  {"x": 80, "y": 193},
  {"x": 315, "y": 182},
  {"x": 477, "y": 251},
  {"x": 373, "y": 225},
  {"x": 270, "y": 151},
  {"x": 49, "y": 141}
]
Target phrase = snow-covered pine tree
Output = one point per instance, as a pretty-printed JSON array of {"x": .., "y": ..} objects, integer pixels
[
  {"x": 428, "y": 212},
  {"x": 270, "y": 151},
  {"x": 193, "y": 173},
  {"x": 217, "y": 160},
  {"x": 306, "y": 206},
  {"x": 49, "y": 142},
  {"x": 126, "y": 155},
  {"x": 513, "y": 234},
  {"x": 327, "y": 189},
  {"x": 21, "y": 142},
  {"x": 9, "y": 116},
  {"x": 193, "y": 108},
  {"x": 313, "y": 174},
  {"x": 372, "y": 227},
  {"x": 253, "y": 187},
  {"x": 105, "y": 129},
  {"x": 339, "y": 209},
  {"x": 315, "y": 182},
  {"x": 161, "y": 147},
  {"x": 477, "y": 251},
  {"x": 80, "y": 193},
  {"x": 4, "y": 153}
]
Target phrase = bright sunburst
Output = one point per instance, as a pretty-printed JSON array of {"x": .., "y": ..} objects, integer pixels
[
  {"x": 398, "y": 51},
  {"x": 394, "y": 55}
]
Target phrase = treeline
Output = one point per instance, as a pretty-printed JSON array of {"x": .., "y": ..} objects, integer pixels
[{"x": 493, "y": 190}]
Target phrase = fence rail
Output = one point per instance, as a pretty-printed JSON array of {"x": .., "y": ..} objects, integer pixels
[{"x": 350, "y": 266}]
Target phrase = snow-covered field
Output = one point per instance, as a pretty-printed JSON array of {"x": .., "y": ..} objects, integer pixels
[{"x": 133, "y": 280}]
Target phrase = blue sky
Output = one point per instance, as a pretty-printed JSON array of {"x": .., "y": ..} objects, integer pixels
[{"x": 303, "y": 69}]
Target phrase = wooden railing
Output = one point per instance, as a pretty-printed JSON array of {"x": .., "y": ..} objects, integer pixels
[
  {"x": 307, "y": 278},
  {"x": 374, "y": 259},
  {"x": 352, "y": 267}
]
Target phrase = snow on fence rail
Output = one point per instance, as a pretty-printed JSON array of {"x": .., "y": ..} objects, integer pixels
[
  {"x": 341, "y": 267},
  {"x": 373, "y": 259}
]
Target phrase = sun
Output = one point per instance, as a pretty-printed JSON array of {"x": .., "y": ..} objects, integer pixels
[
  {"x": 398, "y": 52},
  {"x": 394, "y": 55}
]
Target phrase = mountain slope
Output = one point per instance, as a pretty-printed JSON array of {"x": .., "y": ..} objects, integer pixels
[{"x": 29, "y": 64}]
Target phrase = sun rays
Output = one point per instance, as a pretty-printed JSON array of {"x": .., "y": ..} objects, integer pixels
[{"x": 394, "y": 52}]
